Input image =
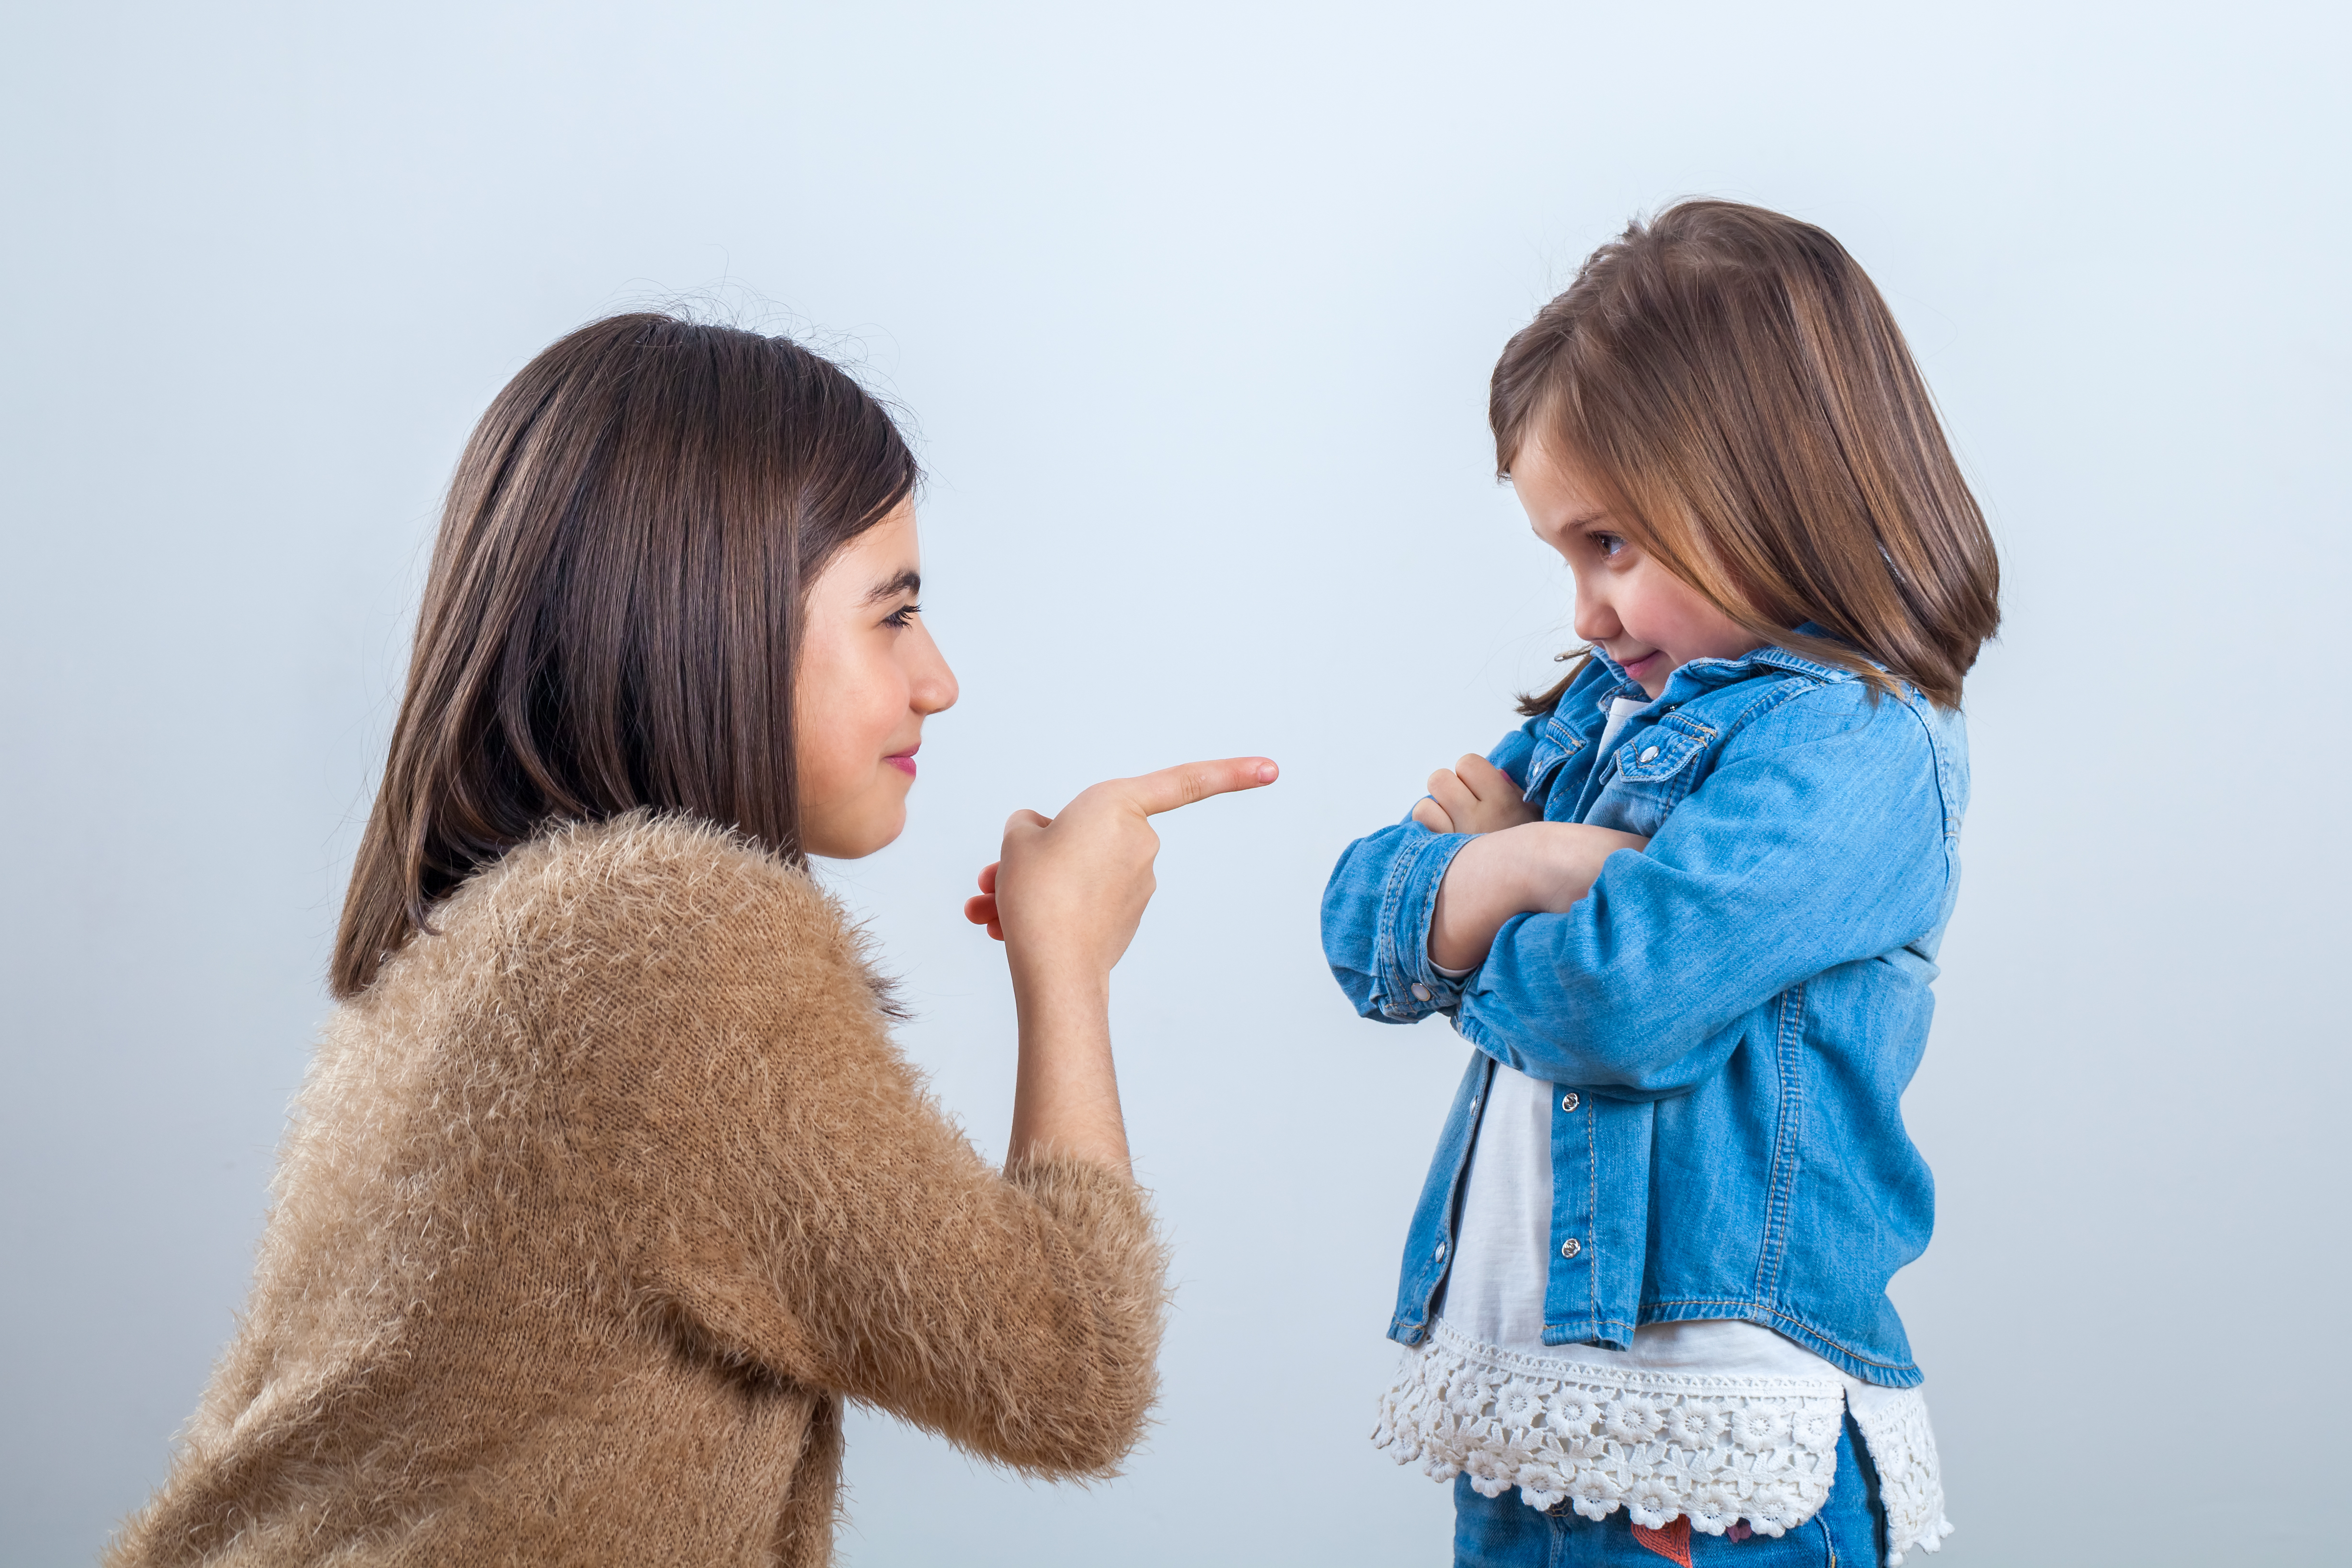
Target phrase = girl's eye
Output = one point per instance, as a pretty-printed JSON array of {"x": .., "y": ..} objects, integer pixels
[
  {"x": 902, "y": 617},
  {"x": 1608, "y": 544}
]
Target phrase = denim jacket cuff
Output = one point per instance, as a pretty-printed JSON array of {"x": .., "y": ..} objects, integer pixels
[{"x": 1410, "y": 987}]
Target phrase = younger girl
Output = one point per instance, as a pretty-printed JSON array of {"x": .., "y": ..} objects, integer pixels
[{"x": 1688, "y": 914}]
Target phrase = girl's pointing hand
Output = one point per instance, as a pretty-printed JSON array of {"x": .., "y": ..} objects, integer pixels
[{"x": 1070, "y": 889}]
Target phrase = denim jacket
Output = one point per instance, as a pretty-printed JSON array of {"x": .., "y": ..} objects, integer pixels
[{"x": 1730, "y": 1015}]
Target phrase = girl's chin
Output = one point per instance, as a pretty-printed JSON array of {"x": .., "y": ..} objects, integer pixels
[{"x": 856, "y": 840}]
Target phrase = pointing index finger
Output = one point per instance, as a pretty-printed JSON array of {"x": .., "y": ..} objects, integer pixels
[{"x": 1189, "y": 781}]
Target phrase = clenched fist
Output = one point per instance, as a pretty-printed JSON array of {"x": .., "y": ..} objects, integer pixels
[{"x": 1473, "y": 796}]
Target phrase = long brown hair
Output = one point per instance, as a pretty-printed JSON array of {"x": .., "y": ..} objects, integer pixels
[
  {"x": 614, "y": 606},
  {"x": 1732, "y": 381}
]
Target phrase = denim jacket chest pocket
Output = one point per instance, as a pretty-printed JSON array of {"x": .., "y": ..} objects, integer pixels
[
  {"x": 1648, "y": 775},
  {"x": 1551, "y": 774}
]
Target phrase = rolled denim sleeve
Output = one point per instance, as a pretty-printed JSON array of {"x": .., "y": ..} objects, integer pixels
[
  {"x": 1378, "y": 905},
  {"x": 1821, "y": 838},
  {"x": 1376, "y": 913}
]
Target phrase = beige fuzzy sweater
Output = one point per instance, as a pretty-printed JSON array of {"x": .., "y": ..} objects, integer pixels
[{"x": 597, "y": 1204}]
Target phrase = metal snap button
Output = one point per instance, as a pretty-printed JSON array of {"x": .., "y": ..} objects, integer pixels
[
  {"x": 1649, "y": 753},
  {"x": 1571, "y": 1248},
  {"x": 1441, "y": 1247},
  {"x": 1569, "y": 1102},
  {"x": 1420, "y": 992}
]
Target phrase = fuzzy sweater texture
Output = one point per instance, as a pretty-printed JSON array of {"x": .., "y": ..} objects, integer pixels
[{"x": 596, "y": 1206}]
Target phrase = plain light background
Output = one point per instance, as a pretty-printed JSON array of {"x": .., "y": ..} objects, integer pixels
[{"x": 1192, "y": 308}]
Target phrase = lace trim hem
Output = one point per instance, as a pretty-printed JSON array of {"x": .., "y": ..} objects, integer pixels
[
  {"x": 1910, "y": 1477},
  {"x": 1714, "y": 1449}
]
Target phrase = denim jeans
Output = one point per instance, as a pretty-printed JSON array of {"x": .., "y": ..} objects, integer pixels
[{"x": 1505, "y": 1533}]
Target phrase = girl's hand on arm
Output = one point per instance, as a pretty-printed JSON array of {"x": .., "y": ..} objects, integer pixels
[
  {"x": 1535, "y": 868},
  {"x": 1065, "y": 900},
  {"x": 1473, "y": 796}
]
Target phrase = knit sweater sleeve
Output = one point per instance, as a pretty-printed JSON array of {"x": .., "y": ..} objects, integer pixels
[{"x": 789, "y": 1202}]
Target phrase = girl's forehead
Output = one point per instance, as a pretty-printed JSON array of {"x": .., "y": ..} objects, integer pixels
[
  {"x": 883, "y": 560},
  {"x": 1559, "y": 489}
]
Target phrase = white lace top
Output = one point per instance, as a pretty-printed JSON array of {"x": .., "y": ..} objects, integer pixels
[
  {"x": 1708, "y": 1439},
  {"x": 1723, "y": 1422}
]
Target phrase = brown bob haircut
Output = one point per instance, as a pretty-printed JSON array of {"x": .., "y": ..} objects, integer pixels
[
  {"x": 612, "y": 613},
  {"x": 1732, "y": 383}
]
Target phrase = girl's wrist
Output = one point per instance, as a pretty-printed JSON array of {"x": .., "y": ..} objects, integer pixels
[
  {"x": 1510, "y": 870},
  {"x": 1057, "y": 979},
  {"x": 1472, "y": 901}
]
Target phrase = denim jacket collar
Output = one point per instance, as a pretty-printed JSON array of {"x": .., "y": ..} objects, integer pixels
[
  {"x": 1690, "y": 679},
  {"x": 1581, "y": 716}
]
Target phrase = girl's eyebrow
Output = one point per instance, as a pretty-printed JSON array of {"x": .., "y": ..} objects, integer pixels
[{"x": 907, "y": 582}]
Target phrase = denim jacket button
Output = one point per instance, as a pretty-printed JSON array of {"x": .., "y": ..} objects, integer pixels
[
  {"x": 1441, "y": 1247},
  {"x": 1420, "y": 992},
  {"x": 1649, "y": 753},
  {"x": 1569, "y": 1248},
  {"x": 1569, "y": 1102}
]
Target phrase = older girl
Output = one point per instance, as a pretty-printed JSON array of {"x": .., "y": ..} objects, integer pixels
[
  {"x": 1687, "y": 915},
  {"x": 608, "y": 1187}
]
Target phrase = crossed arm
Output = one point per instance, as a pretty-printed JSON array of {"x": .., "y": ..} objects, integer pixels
[{"x": 1518, "y": 863}]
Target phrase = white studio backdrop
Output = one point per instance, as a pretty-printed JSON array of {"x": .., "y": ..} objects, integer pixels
[{"x": 1192, "y": 308}]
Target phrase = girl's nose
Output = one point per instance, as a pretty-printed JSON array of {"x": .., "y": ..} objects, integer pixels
[
  {"x": 934, "y": 689},
  {"x": 1596, "y": 621}
]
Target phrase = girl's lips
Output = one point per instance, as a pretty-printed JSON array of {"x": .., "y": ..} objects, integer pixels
[
  {"x": 1633, "y": 667},
  {"x": 904, "y": 761}
]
